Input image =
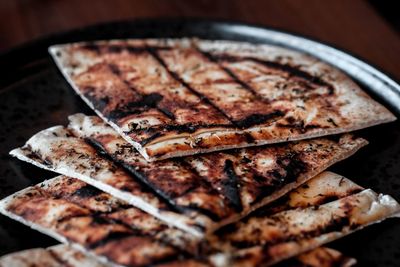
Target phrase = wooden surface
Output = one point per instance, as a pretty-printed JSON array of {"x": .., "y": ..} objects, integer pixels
[{"x": 349, "y": 24}]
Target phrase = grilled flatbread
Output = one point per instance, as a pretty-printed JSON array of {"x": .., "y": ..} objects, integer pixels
[
  {"x": 266, "y": 240},
  {"x": 198, "y": 194},
  {"x": 63, "y": 255},
  {"x": 55, "y": 256},
  {"x": 170, "y": 98},
  {"x": 320, "y": 257},
  {"x": 63, "y": 208},
  {"x": 73, "y": 212}
]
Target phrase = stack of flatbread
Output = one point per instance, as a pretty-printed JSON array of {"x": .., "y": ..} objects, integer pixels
[{"x": 203, "y": 153}]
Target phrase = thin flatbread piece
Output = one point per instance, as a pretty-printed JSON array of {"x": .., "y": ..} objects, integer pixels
[
  {"x": 307, "y": 219},
  {"x": 67, "y": 209},
  {"x": 197, "y": 194},
  {"x": 170, "y": 98},
  {"x": 55, "y": 256},
  {"x": 64, "y": 255},
  {"x": 74, "y": 212}
]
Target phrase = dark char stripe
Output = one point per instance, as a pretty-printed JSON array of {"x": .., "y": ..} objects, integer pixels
[
  {"x": 175, "y": 76},
  {"x": 142, "y": 179},
  {"x": 236, "y": 79},
  {"x": 249, "y": 121},
  {"x": 87, "y": 191},
  {"x": 113, "y": 236},
  {"x": 147, "y": 101},
  {"x": 136, "y": 175},
  {"x": 292, "y": 71},
  {"x": 256, "y": 119},
  {"x": 335, "y": 225},
  {"x": 231, "y": 186}
]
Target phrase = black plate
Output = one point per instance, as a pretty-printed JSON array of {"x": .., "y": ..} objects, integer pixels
[{"x": 34, "y": 95}]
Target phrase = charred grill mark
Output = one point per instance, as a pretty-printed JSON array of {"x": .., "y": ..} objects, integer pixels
[
  {"x": 98, "y": 103},
  {"x": 149, "y": 139},
  {"x": 37, "y": 157},
  {"x": 252, "y": 120},
  {"x": 330, "y": 120},
  {"x": 113, "y": 236},
  {"x": 231, "y": 186},
  {"x": 141, "y": 233},
  {"x": 292, "y": 71},
  {"x": 231, "y": 74},
  {"x": 249, "y": 121},
  {"x": 299, "y": 125},
  {"x": 167, "y": 113},
  {"x": 165, "y": 197},
  {"x": 255, "y": 119},
  {"x": 176, "y": 77},
  {"x": 334, "y": 138},
  {"x": 290, "y": 168},
  {"x": 202, "y": 182},
  {"x": 99, "y": 218},
  {"x": 226, "y": 229},
  {"x": 146, "y": 102},
  {"x": 142, "y": 177},
  {"x": 87, "y": 191},
  {"x": 249, "y": 138},
  {"x": 334, "y": 225},
  {"x": 292, "y": 165},
  {"x": 276, "y": 206},
  {"x": 136, "y": 174},
  {"x": 114, "y": 69}
]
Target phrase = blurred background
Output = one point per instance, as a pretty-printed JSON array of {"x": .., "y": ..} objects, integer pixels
[{"x": 369, "y": 29}]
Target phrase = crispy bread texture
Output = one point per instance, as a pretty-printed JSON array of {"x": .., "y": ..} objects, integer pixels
[
  {"x": 198, "y": 194},
  {"x": 98, "y": 224},
  {"x": 171, "y": 98}
]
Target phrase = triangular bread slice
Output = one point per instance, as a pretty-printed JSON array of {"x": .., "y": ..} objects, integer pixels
[
  {"x": 74, "y": 212},
  {"x": 55, "y": 256},
  {"x": 197, "y": 194},
  {"x": 267, "y": 238},
  {"x": 171, "y": 98},
  {"x": 64, "y": 255}
]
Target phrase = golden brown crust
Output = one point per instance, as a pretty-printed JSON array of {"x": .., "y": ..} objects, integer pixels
[
  {"x": 63, "y": 255},
  {"x": 263, "y": 239},
  {"x": 198, "y": 194},
  {"x": 121, "y": 234},
  {"x": 268, "y": 239},
  {"x": 171, "y": 98}
]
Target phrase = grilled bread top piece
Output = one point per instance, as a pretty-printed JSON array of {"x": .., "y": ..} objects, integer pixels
[{"x": 170, "y": 98}]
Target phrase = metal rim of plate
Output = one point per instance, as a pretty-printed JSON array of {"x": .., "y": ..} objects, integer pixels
[{"x": 32, "y": 59}]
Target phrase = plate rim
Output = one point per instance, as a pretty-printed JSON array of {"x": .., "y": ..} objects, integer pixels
[{"x": 42, "y": 40}]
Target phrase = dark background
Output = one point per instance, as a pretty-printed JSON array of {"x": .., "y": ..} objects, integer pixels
[{"x": 365, "y": 28}]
